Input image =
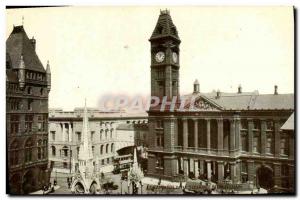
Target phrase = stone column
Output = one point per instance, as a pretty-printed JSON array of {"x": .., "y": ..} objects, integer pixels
[
  {"x": 251, "y": 170},
  {"x": 208, "y": 133},
  {"x": 263, "y": 136},
  {"x": 175, "y": 132},
  {"x": 196, "y": 168},
  {"x": 195, "y": 133},
  {"x": 208, "y": 162},
  {"x": 277, "y": 174},
  {"x": 63, "y": 132},
  {"x": 201, "y": 162},
  {"x": 237, "y": 134},
  {"x": 70, "y": 133},
  {"x": 186, "y": 167},
  {"x": 276, "y": 139},
  {"x": 238, "y": 171},
  {"x": 250, "y": 136},
  {"x": 185, "y": 133},
  {"x": 232, "y": 136},
  {"x": 192, "y": 165},
  {"x": 220, "y": 135},
  {"x": 220, "y": 171},
  {"x": 233, "y": 171},
  {"x": 181, "y": 163}
]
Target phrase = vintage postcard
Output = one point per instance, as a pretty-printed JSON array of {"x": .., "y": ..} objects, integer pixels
[{"x": 149, "y": 100}]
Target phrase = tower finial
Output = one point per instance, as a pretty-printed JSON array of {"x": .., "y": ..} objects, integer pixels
[{"x": 22, "y": 20}]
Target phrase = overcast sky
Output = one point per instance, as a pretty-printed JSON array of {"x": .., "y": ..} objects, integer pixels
[{"x": 95, "y": 51}]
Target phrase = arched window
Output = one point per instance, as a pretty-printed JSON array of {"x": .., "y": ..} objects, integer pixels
[
  {"x": 101, "y": 149},
  {"x": 53, "y": 149},
  {"x": 28, "y": 150},
  {"x": 65, "y": 151},
  {"x": 40, "y": 149},
  {"x": 112, "y": 148},
  {"x": 14, "y": 153},
  {"x": 107, "y": 146},
  {"x": 42, "y": 91}
]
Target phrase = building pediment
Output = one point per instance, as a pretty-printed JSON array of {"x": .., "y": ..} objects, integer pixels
[{"x": 202, "y": 103}]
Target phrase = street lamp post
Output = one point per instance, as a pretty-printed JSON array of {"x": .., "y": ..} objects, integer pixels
[{"x": 141, "y": 187}]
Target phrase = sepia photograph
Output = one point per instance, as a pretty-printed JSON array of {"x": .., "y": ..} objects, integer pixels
[{"x": 150, "y": 100}]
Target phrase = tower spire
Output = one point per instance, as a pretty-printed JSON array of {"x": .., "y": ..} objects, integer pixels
[
  {"x": 23, "y": 20},
  {"x": 85, "y": 152}
]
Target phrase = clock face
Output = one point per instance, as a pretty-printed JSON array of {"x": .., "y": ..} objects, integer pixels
[
  {"x": 160, "y": 56},
  {"x": 174, "y": 57}
]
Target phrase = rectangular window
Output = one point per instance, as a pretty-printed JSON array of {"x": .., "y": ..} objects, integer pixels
[
  {"x": 29, "y": 105},
  {"x": 269, "y": 145},
  {"x": 244, "y": 143},
  {"x": 256, "y": 124},
  {"x": 256, "y": 144},
  {"x": 270, "y": 125},
  {"x": 244, "y": 124},
  {"x": 28, "y": 123},
  {"x": 159, "y": 140},
  {"x": 159, "y": 124},
  {"x": 159, "y": 162},
  {"x": 244, "y": 172},
  {"x": 78, "y": 136},
  {"x": 283, "y": 146},
  {"x": 92, "y": 135},
  {"x": 65, "y": 165},
  {"x": 42, "y": 120},
  {"x": 14, "y": 124},
  {"x": 53, "y": 135}
]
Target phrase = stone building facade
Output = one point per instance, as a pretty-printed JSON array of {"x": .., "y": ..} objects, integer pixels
[
  {"x": 27, "y": 89},
  {"x": 65, "y": 137},
  {"x": 217, "y": 135}
]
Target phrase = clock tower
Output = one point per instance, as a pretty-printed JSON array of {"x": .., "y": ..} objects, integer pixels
[
  {"x": 162, "y": 160},
  {"x": 165, "y": 58}
]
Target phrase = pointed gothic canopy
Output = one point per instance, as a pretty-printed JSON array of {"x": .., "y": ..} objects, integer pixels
[{"x": 164, "y": 27}]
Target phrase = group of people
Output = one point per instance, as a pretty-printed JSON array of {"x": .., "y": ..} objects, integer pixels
[{"x": 50, "y": 187}]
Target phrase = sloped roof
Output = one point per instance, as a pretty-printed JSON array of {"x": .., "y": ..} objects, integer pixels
[
  {"x": 19, "y": 44},
  {"x": 289, "y": 124},
  {"x": 164, "y": 26},
  {"x": 246, "y": 101}
]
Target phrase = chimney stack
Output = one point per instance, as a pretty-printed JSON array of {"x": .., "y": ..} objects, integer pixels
[
  {"x": 240, "y": 89},
  {"x": 275, "y": 90},
  {"x": 196, "y": 86},
  {"x": 33, "y": 42}
]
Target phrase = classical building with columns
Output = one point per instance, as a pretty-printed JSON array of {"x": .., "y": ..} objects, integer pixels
[
  {"x": 215, "y": 136},
  {"x": 65, "y": 137}
]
